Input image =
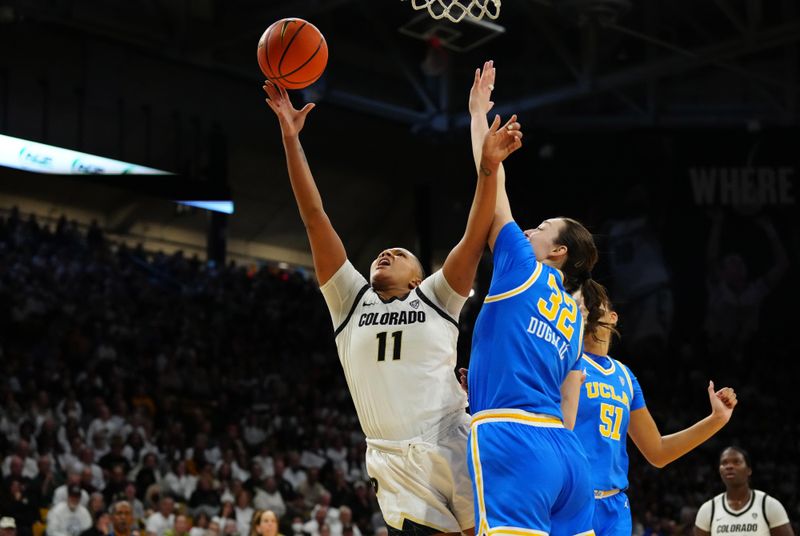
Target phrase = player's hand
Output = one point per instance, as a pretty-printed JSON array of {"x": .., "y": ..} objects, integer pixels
[
  {"x": 481, "y": 91},
  {"x": 722, "y": 401},
  {"x": 290, "y": 118},
  {"x": 462, "y": 378},
  {"x": 501, "y": 142}
]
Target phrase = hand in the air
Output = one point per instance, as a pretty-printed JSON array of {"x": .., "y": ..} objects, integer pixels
[{"x": 290, "y": 118}]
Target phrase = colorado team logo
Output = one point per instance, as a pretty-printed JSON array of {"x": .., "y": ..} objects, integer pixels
[{"x": 414, "y": 304}]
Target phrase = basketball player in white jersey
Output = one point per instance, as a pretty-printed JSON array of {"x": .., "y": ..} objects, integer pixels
[
  {"x": 396, "y": 335},
  {"x": 741, "y": 510}
]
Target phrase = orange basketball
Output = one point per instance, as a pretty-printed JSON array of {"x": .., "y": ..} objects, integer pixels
[{"x": 292, "y": 53}]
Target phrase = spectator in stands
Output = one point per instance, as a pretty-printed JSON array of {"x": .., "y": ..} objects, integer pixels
[
  {"x": 200, "y": 525},
  {"x": 164, "y": 518},
  {"x": 122, "y": 520},
  {"x": 311, "y": 489},
  {"x": 179, "y": 482},
  {"x": 101, "y": 527},
  {"x": 61, "y": 492},
  {"x": 43, "y": 486},
  {"x": 181, "y": 527},
  {"x": 264, "y": 523},
  {"x": 8, "y": 527},
  {"x": 269, "y": 498},
  {"x": 69, "y": 518}
]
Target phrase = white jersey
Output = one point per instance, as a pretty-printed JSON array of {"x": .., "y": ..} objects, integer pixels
[
  {"x": 399, "y": 355},
  {"x": 756, "y": 518}
]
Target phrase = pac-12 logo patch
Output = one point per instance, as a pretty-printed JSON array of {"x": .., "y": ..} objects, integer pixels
[{"x": 414, "y": 304}]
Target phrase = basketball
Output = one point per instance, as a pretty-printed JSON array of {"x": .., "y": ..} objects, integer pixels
[{"x": 292, "y": 53}]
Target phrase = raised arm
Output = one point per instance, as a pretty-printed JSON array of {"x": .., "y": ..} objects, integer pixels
[
  {"x": 660, "y": 450},
  {"x": 462, "y": 262},
  {"x": 479, "y": 106},
  {"x": 326, "y": 246}
]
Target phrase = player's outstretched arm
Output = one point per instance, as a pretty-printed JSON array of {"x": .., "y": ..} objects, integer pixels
[
  {"x": 462, "y": 262},
  {"x": 660, "y": 450},
  {"x": 479, "y": 105},
  {"x": 326, "y": 246}
]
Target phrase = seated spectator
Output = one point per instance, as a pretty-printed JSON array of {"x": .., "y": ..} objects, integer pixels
[
  {"x": 8, "y": 527},
  {"x": 243, "y": 511},
  {"x": 311, "y": 489},
  {"x": 69, "y": 518},
  {"x": 122, "y": 520},
  {"x": 270, "y": 498},
  {"x": 345, "y": 525},
  {"x": 15, "y": 502},
  {"x": 61, "y": 492},
  {"x": 200, "y": 525},
  {"x": 204, "y": 498},
  {"x": 264, "y": 523},
  {"x": 181, "y": 527},
  {"x": 101, "y": 527},
  {"x": 158, "y": 522},
  {"x": 115, "y": 456},
  {"x": 179, "y": 482},
  {"x": 136, "y": 505}
]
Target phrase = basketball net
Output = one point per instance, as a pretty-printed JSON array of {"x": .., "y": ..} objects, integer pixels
[{"x": 456, "y": 10}]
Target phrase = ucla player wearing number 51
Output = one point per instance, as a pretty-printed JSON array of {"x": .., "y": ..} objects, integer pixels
[{"x": 611, "y": 407}]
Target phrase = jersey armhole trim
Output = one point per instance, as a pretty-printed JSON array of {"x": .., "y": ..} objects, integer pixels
[
  {"x": 711, "y": 520},
  {"x": 523, "y": 287},
  {"x": 627, "y": 377},
  {"x": 764, "y": 509},
  {"x": 352, "y": 310},
  {"x": 436, "y": 308}
]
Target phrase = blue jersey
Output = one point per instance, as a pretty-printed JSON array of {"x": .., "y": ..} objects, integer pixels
[
  {"x": 528, "y": 334},
  {"x": 608, "y": 396}
]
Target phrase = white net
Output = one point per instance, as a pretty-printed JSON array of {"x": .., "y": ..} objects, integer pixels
[{"x": 456, "y": 10}]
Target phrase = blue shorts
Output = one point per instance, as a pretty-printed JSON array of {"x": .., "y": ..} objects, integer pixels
[
  {"x": 612, "y": 516},
  {"x": 529, "y": 474}
]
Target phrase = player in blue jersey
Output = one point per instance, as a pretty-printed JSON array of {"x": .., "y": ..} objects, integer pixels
[
  {"x": 530, "y": 474},
  {"x": 611, "y": 407}
]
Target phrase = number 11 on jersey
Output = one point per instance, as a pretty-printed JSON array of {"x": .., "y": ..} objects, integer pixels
[{"x": 397, "y": 342}]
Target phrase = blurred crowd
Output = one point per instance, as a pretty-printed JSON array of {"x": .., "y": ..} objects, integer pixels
[{"x": 182, "y": 398}]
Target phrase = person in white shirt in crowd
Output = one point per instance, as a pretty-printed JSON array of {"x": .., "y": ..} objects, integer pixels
[
  {"x": 88, "y": 461},
  {"x": 254, "y": 434},
  {"x": 265, "y": 461},
  {"x": 269, "y": 497},
  {"x": 160, "y": 521},
  {"x": 73, "y": 480},
  {"x": 237, "y": 471},
  {"x": 345, "y": 523},
  {"x": 318, "y": 519},
  {"x": 200, "y": 525},
  {"x": 243, "y": 511},
  {"x": 294, "y": 474},
  {"x": 136, "y": 505},
  {"x": 312, "y": 489},
  {"x": 313, "y": 457},
  {"x": 72, "y": 450},
  {"x": 179, "y": 482},
  {"x": 69, "y": 518},
  {"x": 337, "y": 454},
  {"x": 22, "y": 459},
  {"x": 103, "y": 424}
]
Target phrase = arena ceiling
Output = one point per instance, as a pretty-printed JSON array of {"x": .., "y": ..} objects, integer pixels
[{"x": 562, "y": 64}]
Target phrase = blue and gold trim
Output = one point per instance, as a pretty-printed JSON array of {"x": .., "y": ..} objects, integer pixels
[
  {"x": 597, "y": 365},
  {"x": 522, "y": 288}
]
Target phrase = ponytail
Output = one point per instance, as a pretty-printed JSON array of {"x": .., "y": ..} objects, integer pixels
[{"x": 577, "y": 269}]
